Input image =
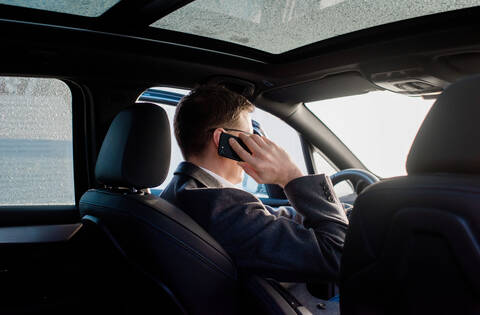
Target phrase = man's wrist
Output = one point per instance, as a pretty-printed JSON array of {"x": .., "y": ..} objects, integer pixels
[{"x": 296, "y": 173}]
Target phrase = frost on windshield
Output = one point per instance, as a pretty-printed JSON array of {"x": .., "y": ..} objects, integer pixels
[{"x": 36, "y": 161}]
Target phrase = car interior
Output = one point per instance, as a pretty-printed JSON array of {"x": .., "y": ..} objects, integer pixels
[{"x": 97, "y": 238}]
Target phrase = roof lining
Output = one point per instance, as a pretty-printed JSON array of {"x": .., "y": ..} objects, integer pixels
[
  {"x": 110, "y": 22},
  {"x": 147, "y": 11},
  {"x": 131, "y": 37}
]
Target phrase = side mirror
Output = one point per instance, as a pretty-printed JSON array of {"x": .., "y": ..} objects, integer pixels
[{"x": 257, "y": 129}]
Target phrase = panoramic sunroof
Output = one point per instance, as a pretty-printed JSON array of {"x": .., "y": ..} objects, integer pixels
[
  {"x": 91, "y": 8},
  {"x": 279, "y": 26}
]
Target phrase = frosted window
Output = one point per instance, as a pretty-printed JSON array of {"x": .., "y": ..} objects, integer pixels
[
  {"x": 90, "y": 8},
  {"x": 36, "y": 160},
  {"x": 277, "y": 26}
]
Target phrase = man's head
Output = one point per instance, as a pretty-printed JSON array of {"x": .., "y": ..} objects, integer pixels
[{"x": 199, "y": 120}]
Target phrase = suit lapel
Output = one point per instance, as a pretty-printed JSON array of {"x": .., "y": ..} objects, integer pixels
[{"x": 195, "y": 172}]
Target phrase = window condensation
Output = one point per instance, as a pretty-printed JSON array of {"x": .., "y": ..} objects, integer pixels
[
  {"x": 36, "y": 160},
  {"x": 279, "y": 26},
  {"x": 91, "y": 8}
]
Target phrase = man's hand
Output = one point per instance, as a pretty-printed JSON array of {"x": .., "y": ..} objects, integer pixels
[{"x": 268, "y": 163}]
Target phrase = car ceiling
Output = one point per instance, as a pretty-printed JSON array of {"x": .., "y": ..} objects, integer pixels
[{"x": 119, "y": 45}]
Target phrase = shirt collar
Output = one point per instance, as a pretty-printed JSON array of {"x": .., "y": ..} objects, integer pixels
[{"x": 223, "y": 181}]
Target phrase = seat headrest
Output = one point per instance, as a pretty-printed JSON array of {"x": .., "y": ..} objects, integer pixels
[
  {"x": 449, "y": 139},
  {"x": 136, "y": 150}
]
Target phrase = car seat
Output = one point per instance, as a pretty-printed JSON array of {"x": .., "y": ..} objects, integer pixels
[{"x": 413, "y": 242}]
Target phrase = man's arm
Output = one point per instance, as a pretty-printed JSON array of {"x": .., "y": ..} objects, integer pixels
[
  {"x": 273, "y": 246},
  {"x": 288, "y": 212},
  {"x": 312, "y": 196},
  {"x": 299, "y": 195}
]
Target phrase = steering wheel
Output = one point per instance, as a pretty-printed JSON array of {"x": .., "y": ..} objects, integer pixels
[{"x": 362, "y": 178}]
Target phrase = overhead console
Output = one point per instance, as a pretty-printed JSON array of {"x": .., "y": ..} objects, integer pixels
[
  {"x": 428, "y": 76},
  {"x": 413, "y": 82},
  {"x": 466, "y": 63}
]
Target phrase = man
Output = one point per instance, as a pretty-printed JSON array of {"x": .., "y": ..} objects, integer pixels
[{"x": 260, "y": 239}]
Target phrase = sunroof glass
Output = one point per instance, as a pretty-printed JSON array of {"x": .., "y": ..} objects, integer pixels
[
  {"x": 91, "y": 8},
  {"x": 279, "y": 26}
]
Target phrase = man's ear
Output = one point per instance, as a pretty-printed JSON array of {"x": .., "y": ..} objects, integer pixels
[{"x": 216, "y": 136}]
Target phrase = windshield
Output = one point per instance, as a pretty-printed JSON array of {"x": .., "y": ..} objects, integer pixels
[{"x": 378, "y": 127}]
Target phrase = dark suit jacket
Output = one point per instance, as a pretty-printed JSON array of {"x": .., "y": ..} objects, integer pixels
[{"x": 261, "y": 239}]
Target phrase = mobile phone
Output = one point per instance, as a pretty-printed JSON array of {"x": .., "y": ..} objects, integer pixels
[{"x": 225, "y": 150}]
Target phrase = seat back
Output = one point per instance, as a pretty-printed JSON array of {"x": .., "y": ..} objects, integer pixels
[
  {"x": 413, "y": 246},
  {"x": 160, "y": 239},
  {"x": 168, "y": 247}
]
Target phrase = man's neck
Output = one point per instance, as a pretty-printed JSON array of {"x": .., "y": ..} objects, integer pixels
[{"x": 211, "y": 166}]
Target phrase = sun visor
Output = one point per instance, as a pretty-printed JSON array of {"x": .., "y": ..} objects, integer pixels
[{"x": 345, "y": 84}]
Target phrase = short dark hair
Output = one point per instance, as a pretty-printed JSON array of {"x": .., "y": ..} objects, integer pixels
[{"x": 202, "y": 110}]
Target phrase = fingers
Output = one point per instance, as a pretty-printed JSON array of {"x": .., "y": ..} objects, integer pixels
[
  {"x": 250, "y": 143},
  {"x": 259, "y": 140},
  {"x": 242, "y": 153},
  {"x": 250, "y": 171},
  {"x": 268, "y": 141}
]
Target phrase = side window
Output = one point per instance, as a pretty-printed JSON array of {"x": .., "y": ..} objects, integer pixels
[
  {"x": 282, "y": 134},
  {"x": 323, "y": 166},
  {"x": 176, "y": 156},
  {"x": 36, "y": 160}
]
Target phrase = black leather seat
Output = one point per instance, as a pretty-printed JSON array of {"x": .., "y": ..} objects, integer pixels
[
  {"x": 413, "y": 246},
  {"x": 161, "y": 240}
]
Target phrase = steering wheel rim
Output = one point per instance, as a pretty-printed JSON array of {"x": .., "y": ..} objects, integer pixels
[{"x": 354, "y": 174}]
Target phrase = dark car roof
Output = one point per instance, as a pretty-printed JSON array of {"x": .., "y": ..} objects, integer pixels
[{"x": 415, "y": 56}]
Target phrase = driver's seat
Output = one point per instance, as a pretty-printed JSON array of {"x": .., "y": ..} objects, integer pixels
[{"x": 413, "y": 245}]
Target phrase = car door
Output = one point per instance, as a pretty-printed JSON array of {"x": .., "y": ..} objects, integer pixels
[{"x": 45, "y": 266}]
